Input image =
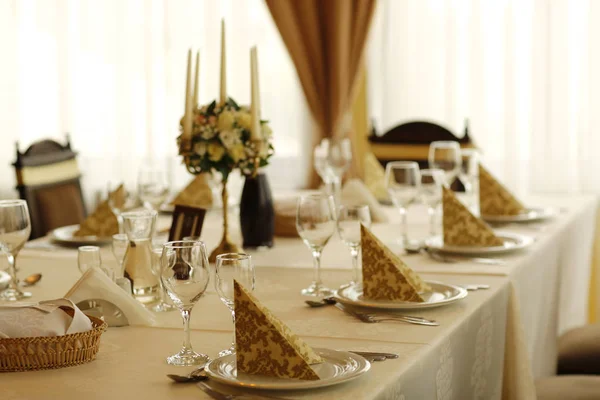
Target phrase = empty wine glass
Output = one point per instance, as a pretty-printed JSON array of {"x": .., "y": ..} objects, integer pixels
[
  {"x": 89, "y": 257},
  {"x": 445, "y": 155},
  {"x": 469, "y": 176},
  {"x": 432, "y": 181},
  {"x": 349, "y": 221},
  {"x": 185, "y": 276},
  {"x": 15, "y": 228},
  {"x": 315, "y": 222},
  {"x": 162, "y": 305},
  {"x": 332, "y": 159},
  {"x": 232, "y": 266},
  {"x": 119, "y": 249},
  {"x": 153, "y": 186},
  {"x": 120, "y": 199},
  {"x": 403, "y": 182}
]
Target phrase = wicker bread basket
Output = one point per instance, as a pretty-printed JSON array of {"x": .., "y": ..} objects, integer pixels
[{"x": 47, "y": 352}]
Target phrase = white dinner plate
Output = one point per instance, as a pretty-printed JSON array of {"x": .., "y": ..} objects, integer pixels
[
  {"x": 65, "y": 236},
  {"x": 512, "y": 242},
  {"x": 337, "y": 367},
  {"x": 528, "y": 215},
  {"x": 441, "y": 294}
]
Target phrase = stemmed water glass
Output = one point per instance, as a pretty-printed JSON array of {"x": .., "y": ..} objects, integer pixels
[
  {"x": 315, "y": 221},
  {"x": 15, "y": 228},
  {"x": 349, "y": 221},
  {"x": 153, "y": 186},
  {"x": 89, "y": 257},
  {"x": 445, "y": 155},
  {"x": 185, "y": 276},
  {"x": 469, "y": 177},
  {"x": 432, "y": 181},
  {"x": 232, "y": 266},
  {"x": 403, "y": 183},
  {"x": 162, "y": 305},
  {"x": 332, "y": 159},
  {"x": 119, "y": 202}
]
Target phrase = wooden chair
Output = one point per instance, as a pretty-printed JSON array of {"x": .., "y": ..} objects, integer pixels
[
  {"x": 410, "y": 142},
  {"x": 187, "y": 221},
  {"x": 48, "y": 178}
]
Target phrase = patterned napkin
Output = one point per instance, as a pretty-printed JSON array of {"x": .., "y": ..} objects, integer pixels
[
  {"x": 356, "y": 193},
  {"x": 385, "y": 276},
  {"x": 461, "y": 228},
  {"x": 46, "y": 318},
  {"x": 494, "y": 198},
  {"x": 102, "y": 222},
  {"x": 196, "y": 194},
  {"x": 375, "y": 177},
  {"x": 265, "y": 345}
]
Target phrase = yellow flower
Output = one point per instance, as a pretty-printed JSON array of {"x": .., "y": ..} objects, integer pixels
[
  {"x": 215, "y": 151},
  {"x": 237, "y": 152},
  {"x": 225, "y": 121},
  {"x": 244, "y": 120}
]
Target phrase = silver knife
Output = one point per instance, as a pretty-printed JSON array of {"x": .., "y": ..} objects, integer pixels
[{"x": 223, "y": 396}]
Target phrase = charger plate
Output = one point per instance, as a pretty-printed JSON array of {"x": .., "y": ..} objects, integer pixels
[
  {"x": 512, "y": 242},
  {"x": 441, "y": 295},
  {"x": 64, "y": 235},
  {"x": 528, "y": 215},
  {"x": 337, "y": 367}
]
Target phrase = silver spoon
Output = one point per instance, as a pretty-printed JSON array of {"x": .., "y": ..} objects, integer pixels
[
  {"x": 327, "y": 301},
  {"x": 196, "y": 375},
  {"x": 31, "y": 280}
]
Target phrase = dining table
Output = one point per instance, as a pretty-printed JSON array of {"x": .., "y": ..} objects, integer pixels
[{"x": 492, "y": 344}]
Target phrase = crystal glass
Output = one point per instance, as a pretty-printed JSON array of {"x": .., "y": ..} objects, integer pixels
[
  {"x": 119, "y": 204},
  {"x": 469, "y": 177},
  {"x": 445, "y": 155},
  {"x": 185, "y": 276},
  {"x": 349, "y": 221},
  {"x": 332, "y": 159},
  {"x": 403, "y": 182},
  {"x": 139, "y": 227},
  {"x": 15, "y": 228},
  {"x": 432, "y": 181},
  {"x": 153, "y": 186},
  {"x": 162, "y": 305},
  {"x": 119, "y": 249},
  {"x": 89, "y": 257},
  {"x": 315, "y": 221},
  {"x": 232, "y": 266}
]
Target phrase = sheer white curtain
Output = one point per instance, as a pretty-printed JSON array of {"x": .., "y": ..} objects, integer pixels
[
  {"x": 112, "y": 74},
  {"x": 526, "y": 73}
]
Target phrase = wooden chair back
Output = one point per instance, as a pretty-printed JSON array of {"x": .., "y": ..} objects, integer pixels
[{"x": 187, "y": 221}]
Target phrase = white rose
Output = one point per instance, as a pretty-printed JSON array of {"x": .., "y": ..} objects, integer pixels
[
  {"x": 200, "y": 148},
  {"x": 230, "y": 138},
  {"x": 266, "y": 131},
  {"x": 225, "y": 121}
]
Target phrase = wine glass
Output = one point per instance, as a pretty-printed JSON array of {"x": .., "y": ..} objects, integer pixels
[
  {"x": 332, "y": 159},
  {"x": 349, "y": 221},
  {"x": 432, "y": 181},
  {"x": 315, "y": 223},
  {"x": 121, "y": 200},
  {"x": 153, "y": 186},
  {"x": 89, "y": 257},
  {"x": 15, "y": 228},
  {"x": 403, "y": 182},
  {"x": 185, "y": 276},
  {"x": 162, "y": 305},
  {"x": 469, "y": 176},
  {"x": 119, "y": 248},
  {"x": 232, "y": 266},
  {"x": 445, "y": 155}
]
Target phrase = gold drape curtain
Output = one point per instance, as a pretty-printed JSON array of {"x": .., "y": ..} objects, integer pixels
[{"x": 326, "y": 40}]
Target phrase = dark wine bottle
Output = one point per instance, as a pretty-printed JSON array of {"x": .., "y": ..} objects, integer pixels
[{"x": 257, "y": 215}]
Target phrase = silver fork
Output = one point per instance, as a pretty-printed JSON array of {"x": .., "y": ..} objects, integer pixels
[{"x": 373, "y": 318}]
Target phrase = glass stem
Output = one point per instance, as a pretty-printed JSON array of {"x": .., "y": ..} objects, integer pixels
[
  {"x": 233, "y": 319},
  {"x": 354, "y": 250},
  {"x": 337, "y": 191},
  {"x": 316, "y": 253},
  {"x": 12, "y": 270},
  {"x": 120, "y": 223},
  {"x": 187, "y": 345},
  {"x": 432, "y": 228},
  {"x": 403, "y": 226},
  {"x": 162, "y": 291}
]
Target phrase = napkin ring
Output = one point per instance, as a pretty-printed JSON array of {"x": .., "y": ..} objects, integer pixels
[{"x": 49, "y": 352}]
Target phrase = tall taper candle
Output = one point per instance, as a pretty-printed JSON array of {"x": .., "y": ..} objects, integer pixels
[
  {"x": 197, "y": 81},
  {"x": 255, "y": 131},
  {"x": 223, "y": 93},
  {"x": 187, "y": 118}
]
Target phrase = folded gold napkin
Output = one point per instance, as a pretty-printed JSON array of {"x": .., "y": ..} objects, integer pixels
[
  {"x": 265, "y": 345},
  {"x": 355, "y": 193},
  {"x": 494, "y": 198},
  {"x": 375, "y": 177},
  {"x": 461, "y": 228},
  {"x": 46, "y": 318},
  {"x": 94, "y": 284},
  {"x": 385, "y": 276},
  {"x": 196, "y": 194},
  {"x": 102, "y": 222}
]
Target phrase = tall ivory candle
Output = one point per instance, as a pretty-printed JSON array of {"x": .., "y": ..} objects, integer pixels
[
  {"x": 197, "y": 81},
  {"x": 255, "y": 132},
  {"x": 187, "y": 116},
  {"x": 223, "y": 93}
]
